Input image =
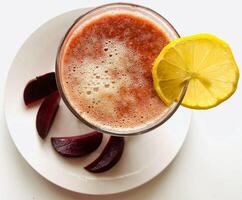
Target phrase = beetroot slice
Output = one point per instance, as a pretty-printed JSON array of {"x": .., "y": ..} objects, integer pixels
[
  {"x": 46, "y": 113},
  {"x": 77, "y": 146},
  {"x": 109, "y": 156},
  {"x": 39, "y": 87}
]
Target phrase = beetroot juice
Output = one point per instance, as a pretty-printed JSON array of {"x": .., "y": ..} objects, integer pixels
[{"x": 105, "y": 70}]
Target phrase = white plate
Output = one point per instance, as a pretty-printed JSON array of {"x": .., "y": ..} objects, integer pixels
[{"x": 144, "y": 156}]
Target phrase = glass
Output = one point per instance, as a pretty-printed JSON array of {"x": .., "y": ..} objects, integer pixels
[{"x": 137, "y": 9}]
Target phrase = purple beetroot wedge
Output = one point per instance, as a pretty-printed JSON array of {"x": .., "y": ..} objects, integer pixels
[
  {"x": 109, "y": 157},
  {"x": 46, "y": 113},
  {"x": 77, "y": 146},
  {"x": 39, "y": 88}
]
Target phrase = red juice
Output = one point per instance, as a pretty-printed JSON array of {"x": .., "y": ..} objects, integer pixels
[{"x": 106, "y": 70}]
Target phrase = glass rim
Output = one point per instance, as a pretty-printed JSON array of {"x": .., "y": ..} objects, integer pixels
[{"x": 171, "y": 110}]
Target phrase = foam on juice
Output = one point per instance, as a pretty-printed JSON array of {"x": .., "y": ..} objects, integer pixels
[{"x": 106, "y": 71}]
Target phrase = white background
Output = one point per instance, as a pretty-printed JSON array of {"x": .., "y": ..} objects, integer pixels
[{"x": 209, "y": 166}]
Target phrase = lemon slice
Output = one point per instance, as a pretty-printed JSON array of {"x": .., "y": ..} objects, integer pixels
[{"x": 205, "y": 61}]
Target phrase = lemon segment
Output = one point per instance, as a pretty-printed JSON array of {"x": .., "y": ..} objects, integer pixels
[{"x": 205, "y": 61}]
